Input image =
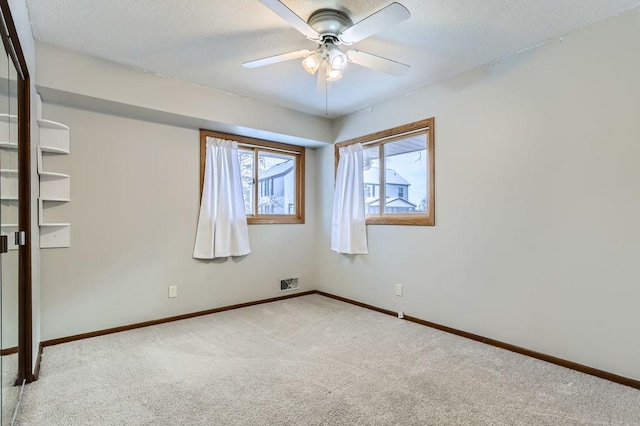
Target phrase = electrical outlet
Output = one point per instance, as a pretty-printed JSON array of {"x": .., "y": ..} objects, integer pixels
[
  {"x": 398, "y": 289},
  {"x": 173, "y": 291}
]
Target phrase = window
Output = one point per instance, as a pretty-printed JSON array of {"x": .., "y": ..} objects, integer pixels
[
  {"x": 399, "y": 185},
  {"x": 272, "y": 178}
]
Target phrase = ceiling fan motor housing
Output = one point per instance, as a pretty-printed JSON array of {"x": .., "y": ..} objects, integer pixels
[
  {"x": 329, "y": 23},
  {"x": 331, "y": 28}
]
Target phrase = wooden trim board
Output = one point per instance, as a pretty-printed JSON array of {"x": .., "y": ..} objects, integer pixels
[
  {"x": 353, "y": 302},
  {"x": 507, "y": 346},
  {"x": 9, "y": 351},
  {"x": 513, "y": 348},
  {"x": 104, "y": 332},
  {"x": 533, "y": 354},
  {"x": 13, "y": 48},
  {"x": 25, "y": 276}
]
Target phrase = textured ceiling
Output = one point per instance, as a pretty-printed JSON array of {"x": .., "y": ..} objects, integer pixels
[{"x": 206, "y": 41}]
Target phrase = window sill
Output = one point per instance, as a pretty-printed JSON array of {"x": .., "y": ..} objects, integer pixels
[
  {"x": 274, "y": 220},
  {"x": 413, "y": 220}
]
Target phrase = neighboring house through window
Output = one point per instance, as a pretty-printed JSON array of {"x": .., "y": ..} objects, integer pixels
[
  {"x": 272, "y": 178},
  {"x": 276, "y": 185},
  {"x": 396, "y": 188},
  {"x": 406, "y": 188}
]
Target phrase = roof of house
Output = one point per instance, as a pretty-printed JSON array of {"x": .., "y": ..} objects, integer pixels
[
  {"x": 393, "y": 202},
  {"x": 372, "y": 175},
  {"x": 277, "y": 170}
]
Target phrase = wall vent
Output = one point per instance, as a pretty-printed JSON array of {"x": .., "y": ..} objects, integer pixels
[{"x": 289, "y": 284}]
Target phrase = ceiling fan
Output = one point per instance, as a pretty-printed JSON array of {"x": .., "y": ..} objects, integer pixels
[{"x": 331, "y": 28}]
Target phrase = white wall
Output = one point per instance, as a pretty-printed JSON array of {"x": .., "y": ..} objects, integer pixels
[
  {"x": 70, "y": 78},
  {"x": 536, "y": 240},
  {"x": 133, "y": 214}
]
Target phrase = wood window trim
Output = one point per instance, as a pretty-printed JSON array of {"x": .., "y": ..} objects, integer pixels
[
  {"x": 389, "y": 135},
  {"x": 265, "y": 146}
]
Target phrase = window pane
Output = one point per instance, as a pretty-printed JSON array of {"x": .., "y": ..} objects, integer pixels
[
  {"x": 372, "y": 179},
  {"x": 406, "y": 175},
  {"x": 246, "y": 173},
  {"x": 276, "y": 183}
]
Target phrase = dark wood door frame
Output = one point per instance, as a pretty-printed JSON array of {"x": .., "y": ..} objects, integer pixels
[{"x": 25, "y": 313}]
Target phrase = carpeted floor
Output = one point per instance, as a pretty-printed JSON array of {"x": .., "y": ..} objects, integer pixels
[
  {"x": 10, "y": 392},
  {"x": 310, "y": 361}
]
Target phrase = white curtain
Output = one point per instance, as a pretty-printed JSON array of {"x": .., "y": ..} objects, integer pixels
[
  {"x": 348, "y": 230},
  {"x": 222, "y": 225}
]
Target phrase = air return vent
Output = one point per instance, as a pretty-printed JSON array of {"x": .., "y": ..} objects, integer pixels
[{"x": 289, "y": 284}]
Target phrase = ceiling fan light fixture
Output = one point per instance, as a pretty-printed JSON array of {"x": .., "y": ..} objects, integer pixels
[
  {"x": 337, "y": 59},
  {"x": 311, "y": 63},
  {"x": 333, "y": 75},
  {"x": 331, "y": 28}
]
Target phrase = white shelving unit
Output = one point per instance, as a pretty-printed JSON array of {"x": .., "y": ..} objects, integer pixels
[
  {"x": 54, "y": 187},
  {"x": 52, "y": 235},
  {"x": 8, "y": 184},
  {"x": 8, "y": 126},
  {"x": 55, "y": 137},
  {"x": 9, "y": 229},
  {"x": 9, "y": 177},
  {"x": 9, "y": 145}
]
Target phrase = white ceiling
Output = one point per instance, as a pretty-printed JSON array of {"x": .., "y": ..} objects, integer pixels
[{"x": 206, "y": 41}]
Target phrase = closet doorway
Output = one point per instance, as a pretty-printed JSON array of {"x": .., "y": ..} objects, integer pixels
[{"x": 15, "y": 220}]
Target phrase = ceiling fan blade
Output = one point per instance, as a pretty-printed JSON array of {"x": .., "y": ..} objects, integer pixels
[
  {"x": 372, "y": 24},
  {"x": 321, "y": 83},
  {"x": 294, "y": 20},
  {"x": 278, "y": 58},
  {"x": 378, "y": 63}
]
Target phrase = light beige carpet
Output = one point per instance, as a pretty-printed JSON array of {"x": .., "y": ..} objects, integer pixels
[
  {"x": 10, "y": 392},
  {"x": 310, "y": 361}
]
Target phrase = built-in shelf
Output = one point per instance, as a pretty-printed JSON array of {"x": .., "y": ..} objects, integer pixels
[
  {"x": 52, "y": 234},
  {"x": 56, "y": 225},
  {"x": 8, "y": 184},
  {"x": 9, "y": 145},
  {"x": 55, "y": 200},
  {"x": 55, "y": 235},
  {"x": 8, "y": 193},
  {"x": 54, "y": 175},
  {"x": 9, "y": 229},
  {"x": 9, "y": 174},
  {"x": 8, "y": 131},
  {"x": 54, "y": 187},
  {"x": 54, "y": 137},
  {"x": 8, "y": 118},
  {"x": 53, "y": 150},
  {"x": 9, "y": 177},
  {"x": 48, "y": 124},
  {"x": 12, "y": 121},
  {"x": 47, "y": 150}
]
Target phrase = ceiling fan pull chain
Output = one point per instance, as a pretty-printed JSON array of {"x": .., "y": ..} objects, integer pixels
[{"x": 326, "y": 99}]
